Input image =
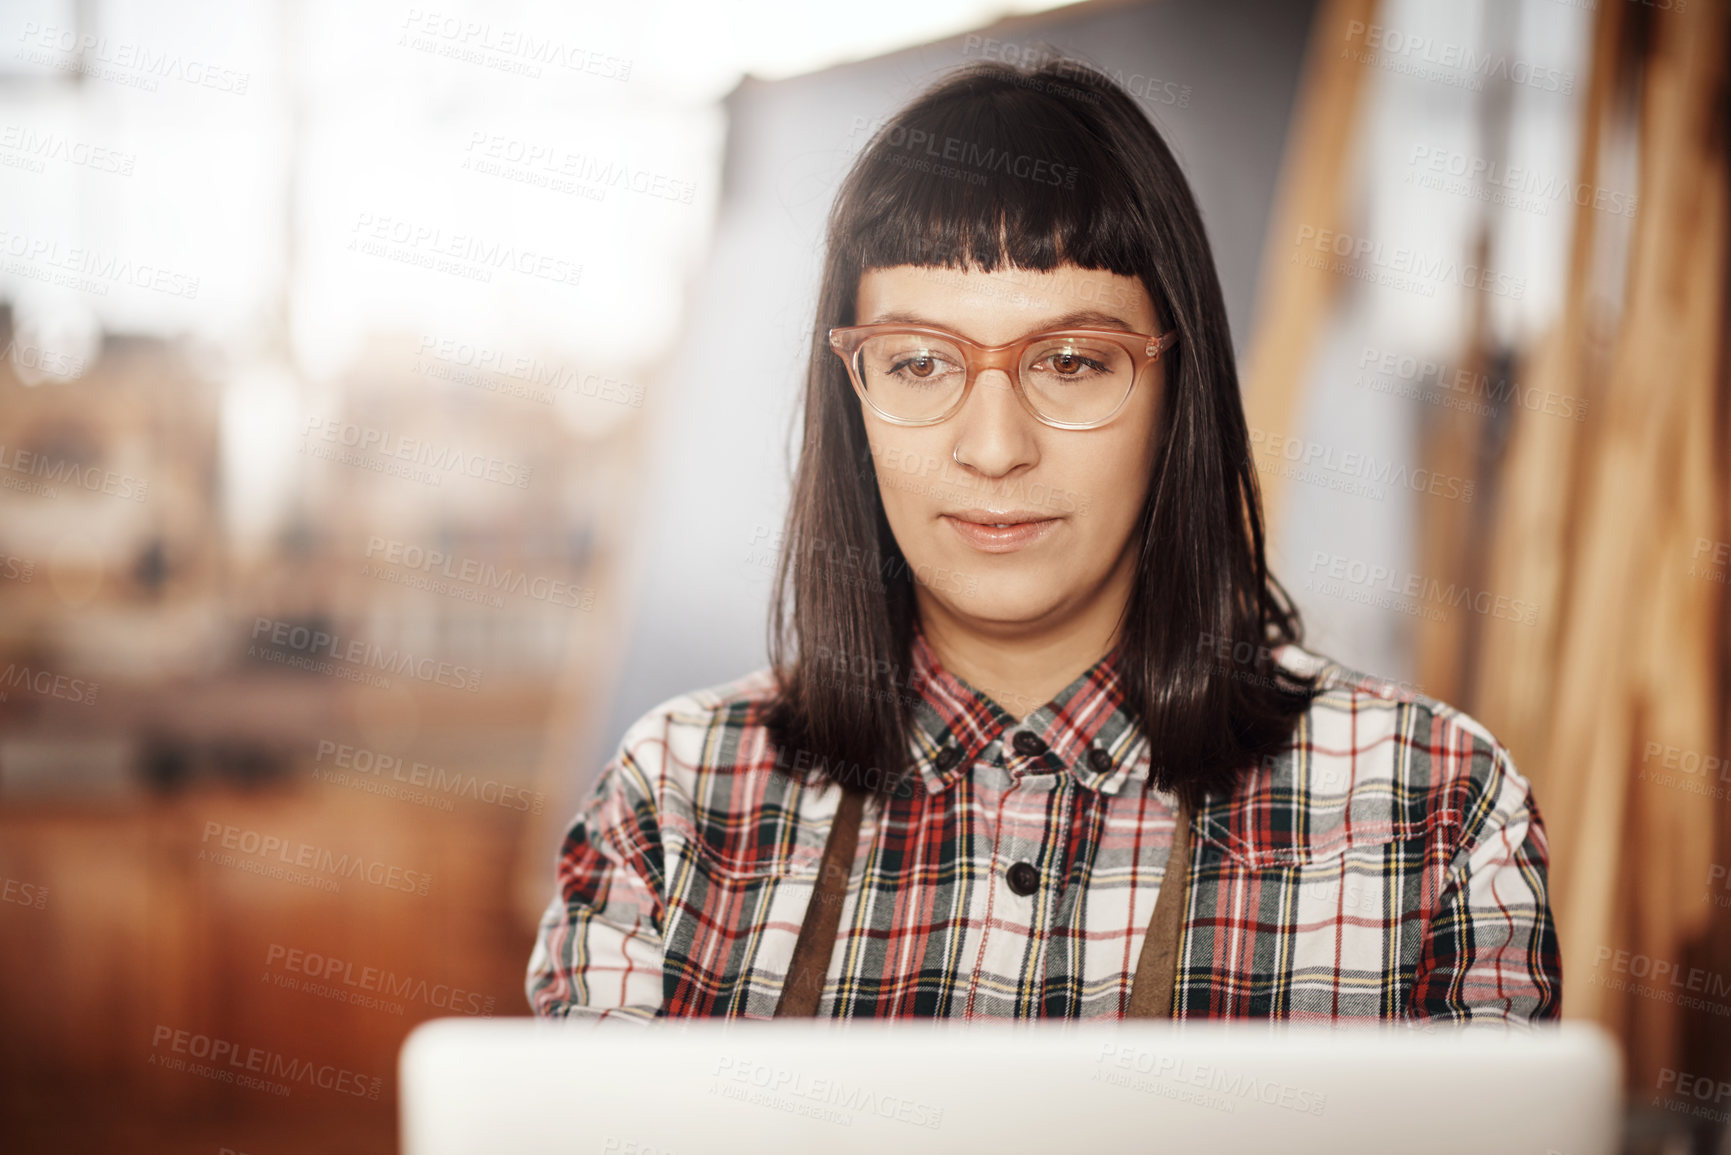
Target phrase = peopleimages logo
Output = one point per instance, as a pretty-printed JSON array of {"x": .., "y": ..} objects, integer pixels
[
  {"x": 518, "y": 50},
  {"x": 893, "y": 460},
  {"x": 232, "y": 1063},
  {"x": 48, "y": 469},
  {"x": 307, "y": 856},
  {"x": 1228, "y": 1084},
  {"x": 28, "y": 355},
  {"x": 1717, "y": 555},
  {"x": 387, "y": 445},
  {"x": 483, "y": 575},
  {"x": 539, "y": 380},
  {"x": 799, "y": 1093},
  {"x": 324, "y": 971},
  {"x": 1448, "y": 62},
  {"x": 1354, "y": 471},
  {"x": 357, "y": 765},
  {"x": 124, "y": 61},
  {"x": 464, "y": 254},
  {"x": 38, "y": 147},
  {"x": 309, "y": 646},
  {"x": 1516, "y": 185},
  {"x": 1470, "y": 384},
  {"x": 989, "y": 159},
  {"x": 1704, "y": 1089},
  {"x": 1681, "y": 985},
  {"x": 1687, "y": 770},
  {"x": 1409, "y": 591},
  {"x": 47, "y": 684},
  {"x": 24, "y": 893},
  {"x": 89, "y": 270},
  {"x": 551, "y": 165},
  {"x": 1033, "y": 56},
  {"x": 805, "y": 762},
  {"x": 1401, "y": 268}
]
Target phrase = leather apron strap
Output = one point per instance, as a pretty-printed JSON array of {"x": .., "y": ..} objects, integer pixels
[
  {"x": 1157, "y": 970},
  {"x": 1151, "y": 990},
  {"x": 805, "y": 975}
]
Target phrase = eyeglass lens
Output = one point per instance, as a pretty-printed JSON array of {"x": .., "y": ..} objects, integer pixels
[{"x": 1067, "y": 377}]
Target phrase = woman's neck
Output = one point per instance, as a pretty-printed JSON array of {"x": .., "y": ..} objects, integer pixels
[{"x": 1023, "y": 665}]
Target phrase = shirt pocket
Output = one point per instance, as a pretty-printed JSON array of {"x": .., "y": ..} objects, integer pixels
[
  {"x": 741, "y": 849},
  {"x": 735, "y": 921},
  {"x": 1325, "y": 815},
  {"x": 1319, "y": 848},
  {"x": 1352, "y": 860},
  {"x": 1334, "y": 915}
]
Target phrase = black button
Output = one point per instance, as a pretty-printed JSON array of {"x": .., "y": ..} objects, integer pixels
[
  {"x": 1099, "y": 760},
  {"x": 1029, "y": 743},
  {"x": 1023, "y": 878},
  {"x": 948, "y": 757}
]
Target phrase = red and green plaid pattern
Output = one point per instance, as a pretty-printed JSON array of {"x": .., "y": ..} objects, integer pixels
[{"x": 1389, "y": 865}]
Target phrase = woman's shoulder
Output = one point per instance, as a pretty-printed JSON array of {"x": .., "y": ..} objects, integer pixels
[
  {"x": 699, "y": 727},
  {"x": 1350, "y": 697},
  {"x": 1369, "y": 762}
]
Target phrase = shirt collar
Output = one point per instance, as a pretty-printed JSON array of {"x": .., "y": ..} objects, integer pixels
[{"x": 1084, "y": 731}]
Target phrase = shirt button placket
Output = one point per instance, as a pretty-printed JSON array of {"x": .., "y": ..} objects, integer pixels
[{"x": 1024, "y": 877}]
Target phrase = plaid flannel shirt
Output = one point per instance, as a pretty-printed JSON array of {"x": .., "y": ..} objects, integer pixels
[{"x": 1389, "y": 865}]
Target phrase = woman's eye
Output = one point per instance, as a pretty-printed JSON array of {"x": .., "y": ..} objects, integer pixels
[
  {"x": 1071, "y": 364},
  {"x": 921, "y": 365}
]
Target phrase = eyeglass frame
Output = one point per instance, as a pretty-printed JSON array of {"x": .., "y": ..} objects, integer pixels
[{"x": 846, "y": 341}]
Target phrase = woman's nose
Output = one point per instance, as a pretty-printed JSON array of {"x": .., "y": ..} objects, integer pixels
[{"x": 994, "y": 432}]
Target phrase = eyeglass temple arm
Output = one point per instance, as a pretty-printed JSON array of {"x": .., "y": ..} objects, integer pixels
[{"x": 1162, "y": 343}]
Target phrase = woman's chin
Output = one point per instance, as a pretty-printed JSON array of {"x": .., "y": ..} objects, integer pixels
[{"x": 1000, "y": 604}]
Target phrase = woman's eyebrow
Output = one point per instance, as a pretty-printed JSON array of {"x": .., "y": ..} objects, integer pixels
[{"x": 1081, "y": 318}]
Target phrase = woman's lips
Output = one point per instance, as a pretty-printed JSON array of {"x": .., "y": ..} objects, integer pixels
[{"x": 991, "y": 539}]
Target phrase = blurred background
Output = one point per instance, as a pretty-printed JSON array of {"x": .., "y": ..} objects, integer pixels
[{"x": 396, "y": 402}]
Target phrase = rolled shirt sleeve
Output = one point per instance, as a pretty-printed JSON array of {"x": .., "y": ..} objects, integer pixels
[
  {"x": 598, "y": 951},
  {"x": 1491, "y": 951}
]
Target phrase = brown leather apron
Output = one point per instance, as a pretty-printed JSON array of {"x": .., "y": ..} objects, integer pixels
[{"x": 1151, "y": 989}]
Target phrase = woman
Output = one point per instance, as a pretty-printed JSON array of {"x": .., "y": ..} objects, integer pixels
[{"x": 1027, "y": 653}]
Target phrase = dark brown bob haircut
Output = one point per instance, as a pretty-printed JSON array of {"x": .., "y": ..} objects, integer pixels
[{"x": 996, "y": 167}]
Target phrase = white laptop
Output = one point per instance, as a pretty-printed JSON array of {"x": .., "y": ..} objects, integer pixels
[{"x": 710, "y": 1087}]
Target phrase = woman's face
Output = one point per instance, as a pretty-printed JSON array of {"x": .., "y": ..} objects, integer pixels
[{"x": 1073, "y": 494}]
